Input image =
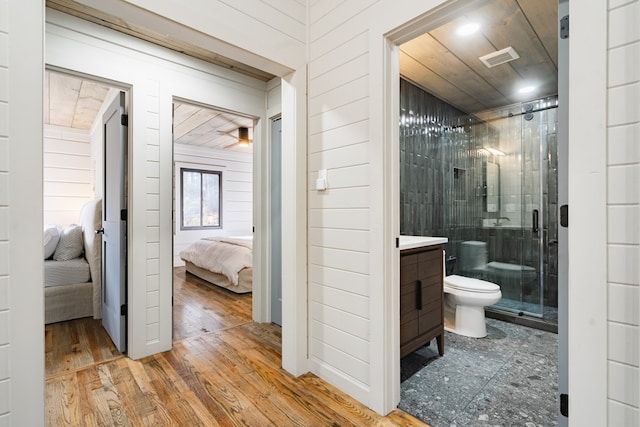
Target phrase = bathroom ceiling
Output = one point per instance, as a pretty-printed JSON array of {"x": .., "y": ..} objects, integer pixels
[
  {"x": 74, "y": 102},
  {"x": 447, "y": 65}
]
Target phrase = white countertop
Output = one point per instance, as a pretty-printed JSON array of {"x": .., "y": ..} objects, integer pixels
[{"x": 410, "y": 242}]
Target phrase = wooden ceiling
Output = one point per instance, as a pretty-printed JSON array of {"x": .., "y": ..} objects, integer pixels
[
  {"x": 205, "y": 127},
  {"x": 447, "y": 65},
  {"x": 74, "y": 102}
]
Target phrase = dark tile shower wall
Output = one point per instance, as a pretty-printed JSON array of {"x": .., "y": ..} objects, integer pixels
[{"x": 441, "y": 182}]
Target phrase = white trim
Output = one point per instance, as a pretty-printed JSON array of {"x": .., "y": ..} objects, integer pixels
[
  {"x": 587, "y": 214},
  {"x": 294, "y": 215},
  {"x": 23, "y": 322}
]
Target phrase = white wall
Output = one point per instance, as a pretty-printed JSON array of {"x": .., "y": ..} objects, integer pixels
[
  {"x": 274, "y": 29},
  {"x": 623, "y": 212},
  {"x": 68, "y": 176},
  {"x": 21, "y": 295},
  {"x": 237, "y": 193}
]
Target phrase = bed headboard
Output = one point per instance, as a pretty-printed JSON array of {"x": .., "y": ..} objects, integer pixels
[{"x": 90, "y": 221}]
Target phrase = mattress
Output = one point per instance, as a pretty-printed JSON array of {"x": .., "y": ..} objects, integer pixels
[
  {"x": 245, "y": 278},
  {"x": 221, "y": 255},
  {"x": 58, "y": 273}
]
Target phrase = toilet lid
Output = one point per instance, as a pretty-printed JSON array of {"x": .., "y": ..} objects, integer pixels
[{"x": 468, "y": 284}]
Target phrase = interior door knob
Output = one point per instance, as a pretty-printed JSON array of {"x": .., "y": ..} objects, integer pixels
[{"x": 100, "y": 231}]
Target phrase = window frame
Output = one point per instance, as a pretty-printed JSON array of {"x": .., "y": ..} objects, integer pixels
[{"x": 201, "y": 172}]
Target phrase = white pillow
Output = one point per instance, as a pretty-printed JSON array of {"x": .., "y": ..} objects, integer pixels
[
  {"x": 51, "y": 238},
  {"x": 70, "y": 245}
]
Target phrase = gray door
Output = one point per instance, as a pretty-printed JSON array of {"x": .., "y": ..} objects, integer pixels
[
  {"x": 276, "y": 222},
  {"x": 114, "y": 223}
]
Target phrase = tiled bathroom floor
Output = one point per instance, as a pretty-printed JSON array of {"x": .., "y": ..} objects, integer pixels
[{"x": 509, "y": 378}]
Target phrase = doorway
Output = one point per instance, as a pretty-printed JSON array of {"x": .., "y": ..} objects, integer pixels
[
  {"x": 73, "y": 192},
  {"x": 449, "y": 152},
  {"x": 213, "y": 213}
]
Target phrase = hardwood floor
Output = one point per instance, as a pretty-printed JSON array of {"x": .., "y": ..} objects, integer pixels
[{"x": 223, "y": 370}]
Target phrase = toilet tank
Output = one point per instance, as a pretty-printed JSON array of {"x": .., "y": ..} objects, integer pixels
[{"x": 472, "y": 256}]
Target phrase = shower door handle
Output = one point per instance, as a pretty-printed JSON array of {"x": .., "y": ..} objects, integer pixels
[{"x": 534, "y": 220}]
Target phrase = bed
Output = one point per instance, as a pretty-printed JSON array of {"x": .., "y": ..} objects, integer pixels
[
  {"x": 72, "y": 287},
  {"x": 224, "y": 261}
]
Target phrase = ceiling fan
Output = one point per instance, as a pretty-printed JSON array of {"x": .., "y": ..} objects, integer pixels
[{"x": 242, "y": 137}]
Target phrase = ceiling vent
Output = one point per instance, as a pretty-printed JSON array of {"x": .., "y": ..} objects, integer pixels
[{"x": 507, "y": 54}]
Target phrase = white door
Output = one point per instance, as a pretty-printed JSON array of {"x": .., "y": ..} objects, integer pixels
[
  {"x": 276, "y": 222},
  {"x": 114, "y": 223}
]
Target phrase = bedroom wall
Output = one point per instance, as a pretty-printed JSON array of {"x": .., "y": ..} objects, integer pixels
[
  {"x": 67, "y": 173},
  {"x": 237, "y": 193}
]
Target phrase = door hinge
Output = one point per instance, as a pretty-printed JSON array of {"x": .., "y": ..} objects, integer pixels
[
  {"x": 564, "y": 27},
  {"x": 564, "y": 404},
  {"x": 124, "y": 120},
  {"x": 123, "y": 214},
  {"x": 564, "y": 215},
  {"x": 397, "y": 242},
  {"x": 123, "y": 310}
]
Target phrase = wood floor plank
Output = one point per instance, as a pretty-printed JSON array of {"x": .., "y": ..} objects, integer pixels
[
  {"x": 76, "y": 344},
  {"x": 223, "y": 370}
]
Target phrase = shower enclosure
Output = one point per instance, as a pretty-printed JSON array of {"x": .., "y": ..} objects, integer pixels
[{"x": 488, "y": 182}]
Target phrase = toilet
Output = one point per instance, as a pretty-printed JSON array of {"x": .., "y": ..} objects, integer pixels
[{"x": 464, "y": 302}]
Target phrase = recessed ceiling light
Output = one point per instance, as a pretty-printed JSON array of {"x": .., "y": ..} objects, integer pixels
[
  {"x": 468, "y": 29},
  {"x": 526, "y": 89}
]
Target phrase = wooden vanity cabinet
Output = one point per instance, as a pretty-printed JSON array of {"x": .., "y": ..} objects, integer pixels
[{"x": 421, "y": 298}]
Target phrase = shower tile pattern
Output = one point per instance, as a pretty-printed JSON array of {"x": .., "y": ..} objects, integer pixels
[
  {"x": 508, "y": 378},
  {"x": 443, "y": 190}
]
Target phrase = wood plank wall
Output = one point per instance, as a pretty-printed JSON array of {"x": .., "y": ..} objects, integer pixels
[
  {"x": 339, "y": 218},
  {"x": 623, "y": 211},
  {"x": 68, "y": 175},
  {"x": 5, "y": 371}
]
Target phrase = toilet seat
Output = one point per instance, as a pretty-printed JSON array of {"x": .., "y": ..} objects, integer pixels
[{"x": 469, "y": 284}]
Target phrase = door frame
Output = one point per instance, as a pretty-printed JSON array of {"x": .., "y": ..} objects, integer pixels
[
  {"x": 99, "y": 166},
  {"x": 585, "y": 133}
]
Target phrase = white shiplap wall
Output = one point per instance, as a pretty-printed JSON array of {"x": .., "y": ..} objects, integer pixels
[
  {"x": 339, "y": 218},
  {"x": 67, "y": 173},
  {"x": 273, "y": 29},
  {"x": 237, "y": 193},
  {"x": 623, "y": 212},
  {"x": 5, "y": 359}
]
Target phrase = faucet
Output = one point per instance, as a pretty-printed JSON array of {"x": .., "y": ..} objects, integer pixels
[{"x": 503, "y": 218}]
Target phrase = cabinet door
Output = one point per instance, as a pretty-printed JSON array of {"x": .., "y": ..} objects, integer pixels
[
  {"x": 430, "y": 275},
  {"x": 408, "y": 313}
]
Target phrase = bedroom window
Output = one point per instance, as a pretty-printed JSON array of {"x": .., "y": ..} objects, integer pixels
[{"x": 200, "y": 198}]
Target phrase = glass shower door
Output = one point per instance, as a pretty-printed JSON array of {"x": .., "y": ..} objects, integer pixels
[{"x": 528, "y": 195}]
